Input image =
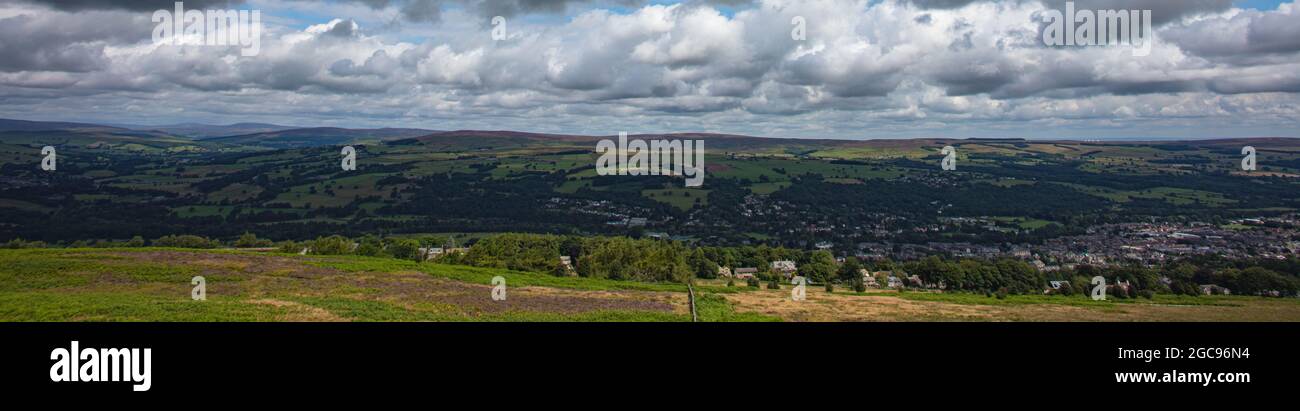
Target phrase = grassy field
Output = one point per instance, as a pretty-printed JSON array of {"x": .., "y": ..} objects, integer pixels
[
  {"x": 153, "y": 284},
  {"x": 890, "y": 305}
]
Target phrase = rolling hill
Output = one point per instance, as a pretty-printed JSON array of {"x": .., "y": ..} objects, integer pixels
[{"x": 318, "y": 136}]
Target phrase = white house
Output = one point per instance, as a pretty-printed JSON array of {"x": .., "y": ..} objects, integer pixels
[{"x": 786, "y": 268}]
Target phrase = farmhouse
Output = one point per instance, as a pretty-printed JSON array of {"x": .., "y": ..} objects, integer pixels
[
  {"x": 746, "y": 273},
  {"x": 1214, "y": 289},
  {"x": 566, "y": 263},
  {"x": 786, "y": 268},
  {"x": 430, "y": 253},
  {"x": 895, "y": 282},
  {"x": 867, "y": 278}
]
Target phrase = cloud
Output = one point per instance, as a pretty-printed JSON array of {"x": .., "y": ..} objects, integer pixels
[
  {"x": 133, "y": 5},
  {"x": 1247, "y": 36},
  {"x": 897, "y": 68},
  {"x": 1162, "y": 11}
]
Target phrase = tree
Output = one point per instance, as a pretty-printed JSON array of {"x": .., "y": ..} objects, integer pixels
[
  {"x": 1260, "y": 281},
  {"x": 850, "y": 270},
  {"x": 404, "y": 248},
  {"x": 250, "y": 240},
  {"x": 820, "y": 266},
  {"x": 332, "y": 245},
  {"x": 701, "y": 265}
]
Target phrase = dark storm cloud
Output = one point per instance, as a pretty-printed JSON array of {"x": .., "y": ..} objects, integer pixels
[
  {"x": 134, "y": 5},
  {"x": 71, "y": 43}
]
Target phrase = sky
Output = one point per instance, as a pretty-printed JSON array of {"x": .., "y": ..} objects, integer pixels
[{"x": 865, "y": 68}]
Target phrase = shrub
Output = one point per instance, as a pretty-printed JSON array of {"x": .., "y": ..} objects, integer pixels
[
  {"x": 184, "y": 241},
  {"x": 1066, "y": 290},
  {"x": 1147, "y": 294},
  {"x": 1002, "y": 293},
  {"x": 1184, "y": 288},
  {"x": 250, "y": 240},
  {"x": 289, "y": 247},
  {"x": 404, "y": 248},
  {"x": 1118, "y": 292},
  {"x": 773, "y": 285},
  {"x": 752, "y": 282},
  {"x": 332, "y": 245},
  {"x": 370, "y": 246},
  {"x": 731, "y": 283},
  {"x": 830, "y": 288},
  {"x": 19, "y": 243}
]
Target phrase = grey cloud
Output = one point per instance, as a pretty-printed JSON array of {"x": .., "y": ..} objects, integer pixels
[
  {"x": 73, "y": 42},
  {"x": 1241, "y": 39},
  {"x": 134, "y": 5},
  {"x": 1162, "y": 11},
  {"x": 654, "y": 67}
]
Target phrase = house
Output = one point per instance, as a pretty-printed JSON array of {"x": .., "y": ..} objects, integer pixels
[
  {"x": 724, "y": 272},
  {"x": 868, "y": 278},
  {"x": 430, "y": 253},
  {"x": 1209, "y": 289},
  {"x": 567, "y": 263},
  {"x": 786, "y": 268},
  {"x": 895, "y": 282},
  {"x": 915, "y": 280},
  {"x": 745, "y": 273}
]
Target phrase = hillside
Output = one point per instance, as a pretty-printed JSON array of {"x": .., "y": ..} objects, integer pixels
[
  {"x": 155, "y": 284},
  {"x": 317, "y": 136}
]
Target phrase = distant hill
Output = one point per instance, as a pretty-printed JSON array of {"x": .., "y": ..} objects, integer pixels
[
  {"x": 318, "y": 136},
  {"x": 24, "y": 125},
  {"x": 202, "y": 131}
]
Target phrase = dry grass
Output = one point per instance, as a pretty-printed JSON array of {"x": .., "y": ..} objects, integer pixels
[{"x": 879, "y": 305}]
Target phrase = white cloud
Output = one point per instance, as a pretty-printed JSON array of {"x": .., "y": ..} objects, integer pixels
[{"x": 884, "y": 68}]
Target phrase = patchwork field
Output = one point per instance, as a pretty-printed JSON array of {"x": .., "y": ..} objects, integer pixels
[{"x": 154, "y": 284}]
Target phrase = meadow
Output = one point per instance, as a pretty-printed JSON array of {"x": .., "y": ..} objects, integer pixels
[{"x": 154, "y": 284}]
